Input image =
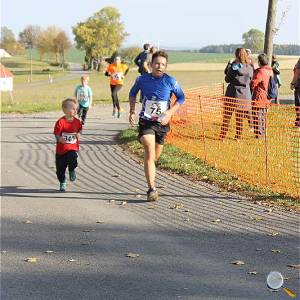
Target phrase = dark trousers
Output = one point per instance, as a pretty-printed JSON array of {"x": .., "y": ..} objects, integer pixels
[
  {"x": 297, "y": 106},
  {"x": 114, "y": 95},
  {"x": 82, "y": 113},
  {"x": 259, "y": 121},
  {"x": 63, "y": 161},
  {"x": 229, "y": 109}
]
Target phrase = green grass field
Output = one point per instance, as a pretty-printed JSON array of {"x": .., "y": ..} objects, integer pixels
[{"x": 27, "y": 98}]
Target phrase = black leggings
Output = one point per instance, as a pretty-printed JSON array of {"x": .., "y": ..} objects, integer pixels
[
  {"x": 82, "y": 112},
  {"x": 297, "y": 106},
  {"x": 114, "y": 95},
  {"x": 63, "y": 161}
]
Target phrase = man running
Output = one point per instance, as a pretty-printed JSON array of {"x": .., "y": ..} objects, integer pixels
[{"x": 156, "y": 91}]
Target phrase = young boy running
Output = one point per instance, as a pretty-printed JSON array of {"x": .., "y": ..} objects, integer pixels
[
  {"x": 84, "y": 96},
  {"x": 67, "y": 130}
]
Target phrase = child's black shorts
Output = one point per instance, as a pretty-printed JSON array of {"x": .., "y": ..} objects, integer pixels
[{"x": 155, "y": 128}]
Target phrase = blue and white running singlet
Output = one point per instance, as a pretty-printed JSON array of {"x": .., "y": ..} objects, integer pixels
[{"x": 156, "y": 93}]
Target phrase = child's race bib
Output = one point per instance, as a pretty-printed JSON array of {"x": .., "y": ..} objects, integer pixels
[
  {"x": 117, "y": 76},
  {"x": 70, "y": 138},
  {"x": 153, "y": 109}
]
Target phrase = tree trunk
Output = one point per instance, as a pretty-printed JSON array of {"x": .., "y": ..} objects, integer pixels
[{"x": 270, "y": 29}]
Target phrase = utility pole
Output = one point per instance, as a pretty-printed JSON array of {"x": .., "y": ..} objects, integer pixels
[
  {"x": 270, "y": 29},
  {"x": 30, "y": 63}
]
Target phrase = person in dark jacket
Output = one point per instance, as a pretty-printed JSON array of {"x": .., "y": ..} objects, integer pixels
[
  {"x": 238, "y": 95},
  {"x": 141, "y": 60},
  {"x": 295, "y": 85},
  {"x": 276, "y": 72}
]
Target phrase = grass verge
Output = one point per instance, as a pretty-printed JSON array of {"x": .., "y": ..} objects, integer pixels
[{"x": 180, "y": 162}]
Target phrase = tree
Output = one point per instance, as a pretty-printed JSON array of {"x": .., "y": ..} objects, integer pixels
[
  {"x": 8, "y": 41},
  {"x": 62, "y": 43},
  {"x": 28, "y": 38},
  {"x": 129, "y": 54},
  {"x": 254, "y": 40},
  {"x": 270, "y": 29},
  {"x": 101, "y": 35},
  {"x": 45, "y": 42}
]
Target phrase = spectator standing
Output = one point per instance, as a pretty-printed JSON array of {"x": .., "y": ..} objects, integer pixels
[
  {"x": 295, "y": 85},
  {"x": 259, "y": 85},
  {"x": 276, "y": 72},
  {"x": 238, "y": 94}
]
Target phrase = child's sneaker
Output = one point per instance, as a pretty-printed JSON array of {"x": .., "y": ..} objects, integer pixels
[
  {"x": 152, "y": 195},
  {"x": 63, "y": 186},
  {"x": 120, "y": 113},
  {"x": 72, "y": 175}
]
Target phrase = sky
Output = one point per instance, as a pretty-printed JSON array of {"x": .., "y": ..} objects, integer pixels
[{"x": 165, "y": 23}]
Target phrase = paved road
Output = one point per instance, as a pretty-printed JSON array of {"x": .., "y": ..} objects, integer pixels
[{"x": 183, "y": 254}]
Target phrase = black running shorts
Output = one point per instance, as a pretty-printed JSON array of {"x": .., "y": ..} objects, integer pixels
[{"x": 155, "y": 128}]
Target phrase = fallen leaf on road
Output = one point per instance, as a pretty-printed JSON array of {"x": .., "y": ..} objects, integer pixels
[
  {"x": 100, "y": 222},
  {"x": 132, "y": 255},
  {"x": 273, "y": 233},
  {"x": 151, "y": 207},
  {"x": 31, "y": 259},
  {"x": 252, "y": 272},
  {"x": 258, "y": 249},
  {"x": 176, "y": 206},
  {"x": 275, "y": 250},
  {"x": 238, "y": 262},
  {"x": 186, "y": 210},
  {"x": 162, "y": 186},
  {"x": 48, "y": 251},
  {"x": 294, "y": 266},
  {"x": 72, "y": 260},
  {"x": 216, "y": 221},
  {"x": 27, "y": 222},
  {"x": 268, "y": 210},
  {"x": 186, "y": 220},
  {"x": 138, "y": 196},
  {"x": 258, "y": 218},
  {"x": 116, "y": 175},
  {"x": 123, "y": 203}
]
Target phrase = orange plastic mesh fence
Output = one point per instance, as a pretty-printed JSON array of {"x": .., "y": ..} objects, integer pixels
[{"x": 261, "y": 146}]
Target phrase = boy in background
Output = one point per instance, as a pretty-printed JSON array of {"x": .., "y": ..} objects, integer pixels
[
  {"x": 67, "y": 130},
  {"x": 84, "y": 95}
]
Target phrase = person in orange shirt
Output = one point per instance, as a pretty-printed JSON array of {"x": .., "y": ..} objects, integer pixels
[{"x": 117, "y": 72}]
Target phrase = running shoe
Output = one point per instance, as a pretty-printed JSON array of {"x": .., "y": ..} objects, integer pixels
[
  {"x": 63, "y": 186},
  {"x": 114, "y": 113},
  {"x": 72, "y": 175},
  {"x": 152, "y": 195},
  {"x": 120, "y": 113}
]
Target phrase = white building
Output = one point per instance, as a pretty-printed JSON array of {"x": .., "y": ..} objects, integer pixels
[
  {"x": 6, "y": 79},
  {"x": 3, "y": 53}
]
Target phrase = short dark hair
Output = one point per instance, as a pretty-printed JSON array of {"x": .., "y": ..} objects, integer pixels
[
  {"x": 263, "y": 59},
  {"x": 146, "y": 46},
  {"x": 160, "y": 53}
]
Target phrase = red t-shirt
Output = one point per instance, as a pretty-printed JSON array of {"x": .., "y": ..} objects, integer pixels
[{"x": 68, "y": 130}]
